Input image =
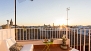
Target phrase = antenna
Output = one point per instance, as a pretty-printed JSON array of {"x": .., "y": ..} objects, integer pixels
[{"x": 67, "y": 15}]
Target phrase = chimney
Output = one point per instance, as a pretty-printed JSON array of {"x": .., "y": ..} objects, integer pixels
[{"x": 7, "y": 23}]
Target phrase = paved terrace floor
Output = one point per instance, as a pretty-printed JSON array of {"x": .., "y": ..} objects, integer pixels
[
  {"x": 52, "y": 48},
  {"x": 39, "y": 45}
]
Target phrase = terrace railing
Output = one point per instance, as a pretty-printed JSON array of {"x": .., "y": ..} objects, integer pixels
[
  {"x": 79, "y": 38},
  {"x": 39, "y": 33}
]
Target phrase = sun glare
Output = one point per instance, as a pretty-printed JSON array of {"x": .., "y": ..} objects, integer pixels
[{"x": 60, "y": 22}]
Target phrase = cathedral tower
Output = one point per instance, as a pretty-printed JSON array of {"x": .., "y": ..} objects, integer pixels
[{"x": 11, "y": 22}]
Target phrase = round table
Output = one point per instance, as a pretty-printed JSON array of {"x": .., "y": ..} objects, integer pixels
[{"x": 47, "y": 45}]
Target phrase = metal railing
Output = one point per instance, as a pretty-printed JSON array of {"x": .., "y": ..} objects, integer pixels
[
  {"x": 79, "y": 38},
  {"x": 39, "y": 33}
]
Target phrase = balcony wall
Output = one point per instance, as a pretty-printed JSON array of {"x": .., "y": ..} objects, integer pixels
[{"x": 6, "y": 33}]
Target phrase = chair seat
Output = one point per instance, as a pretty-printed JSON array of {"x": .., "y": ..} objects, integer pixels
[{"x": 28, "y": 47}]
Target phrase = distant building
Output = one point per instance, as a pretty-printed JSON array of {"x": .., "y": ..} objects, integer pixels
[
  {"x": 11, "y": 22},
  {"x": 7, "y": 26}
]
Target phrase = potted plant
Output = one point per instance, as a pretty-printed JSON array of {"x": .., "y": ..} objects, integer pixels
[{"x": 63, "y": 45}]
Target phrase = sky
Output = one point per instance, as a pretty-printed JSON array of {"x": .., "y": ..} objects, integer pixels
[{"x": 40, "y": 12}]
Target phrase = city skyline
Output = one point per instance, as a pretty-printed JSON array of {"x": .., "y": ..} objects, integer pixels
[{"x": 40, "y": 12}]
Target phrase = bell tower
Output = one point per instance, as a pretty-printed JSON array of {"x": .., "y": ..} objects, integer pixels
[{"x": 11, "y": 22}]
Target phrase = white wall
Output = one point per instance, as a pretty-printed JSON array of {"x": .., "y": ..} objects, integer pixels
[{"x": 7, "y": 33}]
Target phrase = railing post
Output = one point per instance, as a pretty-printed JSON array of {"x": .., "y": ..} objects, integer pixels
[
  {"x": 66, "y": 32},
  {"x": 77, "y": 38},
  {"x": 71, "y": 38},
  {"x": 33, "y": 34},
  {"x": 50, "y": 32},
  {"x": 69, "y": 35},
  {"x": 55, "y": 33},
  {"x": 45, "y": 33},
  {"x": 80, "y": 39},
  {"x": 40, "y": 33},
  {"x": 84, "y": 38},
  {"x": 29, "y": 33},
  {"x": 20, "y": 33},
  {"x": 59, "y": 33},
  {"x": 26, "y": 33},
  {"x": 37, "y": 33},
  {"x": 74, "y": 38},
  {"x": 89, "y": 38},
  {"x": 23, "y": 33}
]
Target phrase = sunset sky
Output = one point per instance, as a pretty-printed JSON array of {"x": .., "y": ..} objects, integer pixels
[{"x": 40, "y": 12}]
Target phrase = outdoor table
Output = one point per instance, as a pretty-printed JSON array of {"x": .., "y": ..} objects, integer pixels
[{"x": 47, "y": 45}]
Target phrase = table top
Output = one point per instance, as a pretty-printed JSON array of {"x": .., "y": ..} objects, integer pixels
[{"x": 48, "y": 42}]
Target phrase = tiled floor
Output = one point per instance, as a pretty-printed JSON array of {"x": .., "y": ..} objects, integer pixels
[
  {"x": 52, "y": 48},
  {"x": 40, "y": 45}
]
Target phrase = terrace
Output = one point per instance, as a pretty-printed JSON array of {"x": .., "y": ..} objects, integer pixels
[{"x": 77, "y": 38}]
